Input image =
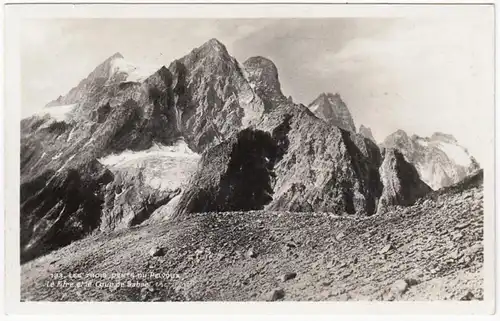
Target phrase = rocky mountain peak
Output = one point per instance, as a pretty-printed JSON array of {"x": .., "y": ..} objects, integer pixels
[
  {"x": 263, "y": 77},
  {"x": 116, "y": 55},
  {"x": 100, "y": 76},
  {"x": 366, "y": 132},
  {"x": 440, "y": 160},
  {"x": 330, "y": 96},
  {"x": 215, "y": 44},
  {"x": 398, "y": 139},
  {"x": 105, "y": 69},
  {"x": 332, "y": 109}
]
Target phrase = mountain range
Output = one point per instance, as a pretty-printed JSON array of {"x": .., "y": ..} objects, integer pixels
[{"x": 209, "y": 134}]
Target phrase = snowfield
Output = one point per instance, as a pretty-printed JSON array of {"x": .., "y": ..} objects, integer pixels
[
  {"x": 134, "y": 72},
  {"x": 58, "y": 113},
  {"x": 179, "y": 150},
  {"x": 163, "y": 167},
  {"x": 456, "y": 153}
]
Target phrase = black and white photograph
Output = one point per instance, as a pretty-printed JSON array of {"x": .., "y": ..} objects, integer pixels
[{"x": 241, "y": 158}]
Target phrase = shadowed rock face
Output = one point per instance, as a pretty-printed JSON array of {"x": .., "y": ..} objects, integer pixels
[
  {"x": 59, "y": 209},
  {"x": 309, "y": 166},
  {"x": 233, "y": 175},
  {"x": 402, "y": 184}
]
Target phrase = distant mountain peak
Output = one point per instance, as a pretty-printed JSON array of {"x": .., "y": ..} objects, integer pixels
[
  {"x": 401, "y": 132},
  {"x": 214, "y": 42},
  {"x": 440, "y": 159},
  {"x": 116, "y": 55},
  {"x": 260, "y": 62},
  {"x": 366, "y": 132},
  {"x": 332, "y": 109},
  {"x": 330, "y": 95},
  {"x": 262, "y": 74}
]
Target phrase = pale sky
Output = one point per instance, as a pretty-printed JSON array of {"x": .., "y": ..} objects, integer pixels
[{"x": 421, "y": 74}]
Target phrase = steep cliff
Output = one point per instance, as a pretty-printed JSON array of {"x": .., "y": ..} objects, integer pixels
[{"x": 402, "y": 184}]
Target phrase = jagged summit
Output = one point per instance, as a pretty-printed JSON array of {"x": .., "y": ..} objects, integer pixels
[
  {"x": 261, "y": 62},
  {"x": 326, "y": 95},
  {"x": 114, "y": 70},
  {"x": 332, "y": 109},
  {"x": 399, "y": 139},
  {"x": 116, "y": 55},
  {"x": 211, "y": 48},
  {"x": 366, "y": 132},
  {"x": 263, "y": 76},
  {"x": 402, "y": 184},
  {"x": 214, "y": 43}
]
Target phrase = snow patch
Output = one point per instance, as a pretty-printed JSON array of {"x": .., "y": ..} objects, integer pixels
[
  {"x": 58, "y": 113},
  {"x": 136, "y": 73},
  {"x": 180, "y": 149},
  {"x": 456, "y": 153}
]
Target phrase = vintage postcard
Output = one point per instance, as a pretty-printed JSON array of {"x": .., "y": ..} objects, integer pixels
[{"x": 275, "y": 157}]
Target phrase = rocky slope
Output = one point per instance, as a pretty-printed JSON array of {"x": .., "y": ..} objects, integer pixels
[
  {"x": 330, "y": 108},
  {"x": 263, "y": 77},
  {"x": 432, "y": 250},
  {"x": 321, "y": 167},
  {"x": 439, "y": 159}
]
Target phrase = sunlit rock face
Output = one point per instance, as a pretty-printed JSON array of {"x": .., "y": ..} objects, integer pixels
[{"x": 439, "y": 159}]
